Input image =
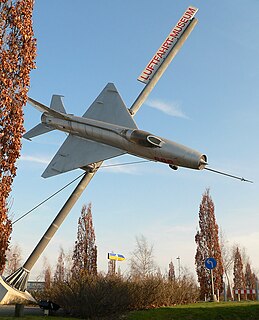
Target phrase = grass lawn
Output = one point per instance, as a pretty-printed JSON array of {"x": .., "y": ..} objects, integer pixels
[
  {"x": 197, "y": 311},
  {"x": 201, "y": 311},
  {"x": 37, "y": 318}
]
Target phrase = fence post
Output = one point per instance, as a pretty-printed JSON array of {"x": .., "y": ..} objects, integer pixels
[{"x": 225, "y": 292}]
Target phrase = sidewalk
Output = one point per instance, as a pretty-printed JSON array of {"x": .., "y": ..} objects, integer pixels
[{"x": 7, "y": 310}]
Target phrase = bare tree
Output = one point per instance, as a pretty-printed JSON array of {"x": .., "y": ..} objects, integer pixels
[
  {"x": 14, "y": 259},
  {"x": 142, "y": 262},
  {"x": 47, "y": 273},
  {"x": 17, "y": 55},
  {"x": 227, "y": 260},
  {"x": 85, "y": 251},
  {"x": 59, "y": 275},
  {"x": 68, "y": 263},
  {"x": 207, "y": 239}
]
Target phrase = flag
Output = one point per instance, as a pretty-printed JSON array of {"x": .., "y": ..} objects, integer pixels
[{"x": 115, "y": 256}]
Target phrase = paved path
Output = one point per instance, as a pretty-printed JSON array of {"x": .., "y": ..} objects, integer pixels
[{"x": 9, "y": 311}]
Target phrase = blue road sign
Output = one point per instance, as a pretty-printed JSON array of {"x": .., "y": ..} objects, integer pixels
[{"x": 210, "y": 263}]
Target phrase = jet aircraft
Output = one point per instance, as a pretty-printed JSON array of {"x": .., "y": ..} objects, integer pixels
[{"x": 106, "y": 130}]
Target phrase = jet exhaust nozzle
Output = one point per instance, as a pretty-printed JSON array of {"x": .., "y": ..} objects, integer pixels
[{"x": 203, "y": 162}]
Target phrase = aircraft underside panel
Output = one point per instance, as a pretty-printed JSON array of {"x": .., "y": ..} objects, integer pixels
[{"x": 77, "y": 152}]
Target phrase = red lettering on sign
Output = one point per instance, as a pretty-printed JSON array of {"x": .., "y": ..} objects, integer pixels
[
  {"x": 147, "y": 72},
  {"x": 167, "y": 45},
  {"x": 174, "y": 34},
  {"x": 183, "y": 19},
  {"x": 144, "y": 78},
  {"x": 164, "y": 160}
]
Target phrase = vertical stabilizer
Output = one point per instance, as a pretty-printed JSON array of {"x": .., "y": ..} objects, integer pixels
[
  {"x": 56, "y": 108},
  {"x": 57, "y": 103}
]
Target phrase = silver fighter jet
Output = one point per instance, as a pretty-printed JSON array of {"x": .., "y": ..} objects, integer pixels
[{"x": 106, "y": 130}]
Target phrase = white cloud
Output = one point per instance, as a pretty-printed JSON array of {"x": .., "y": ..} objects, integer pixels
[
  {"x": 34, "y": 159},
  {"x": 172, "y": 109}
]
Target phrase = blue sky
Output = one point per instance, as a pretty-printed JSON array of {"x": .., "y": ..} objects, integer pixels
[{"x": 207, "y": 99}]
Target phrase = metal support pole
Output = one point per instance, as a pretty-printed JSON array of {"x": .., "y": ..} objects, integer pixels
[
  {"x": 149, "y": 87},
  {"x": 59, "y": 219},
  {"x": 19, "y": 278},
  {"x": 213, "y": 297},
  {"x": 225, "y": 291}
]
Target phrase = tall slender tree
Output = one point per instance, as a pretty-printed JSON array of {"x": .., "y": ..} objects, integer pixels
[
  {"x": 250, "y": 280},
  {"x": 17, "y": 55},
  {"x": 47, "y": 274},
  {"x": 207, "y": 240},
  {"x": 59, "y": 275},
  {"x": 111, "y": 267},
  {"x": 85, "y": 251},
  {"x": 171, "y": 272},
  {"x": 239, "y": 277}
]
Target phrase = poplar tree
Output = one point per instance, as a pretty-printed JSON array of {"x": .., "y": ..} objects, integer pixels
[
  {"x": 47, "y": 273},
  {"x": 111, "y": 267},
  {"x": 47, "y": 277},
  {"x": 239, "y": 277},
  {"x": 249, "y": 280},
  {"x": 85, "y": 250},
  {"x": 17, "y": 55},
  {"x": 171, "y": 272},
  {"x": 59, "y": 275},
  {"x": 207, "y": 240}
]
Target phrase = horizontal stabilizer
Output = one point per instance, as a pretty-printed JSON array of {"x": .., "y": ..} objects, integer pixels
[
  {"x": 77, "y": 152},
  {"x": 109, "y": 107},
  {"x": 36, "y": 131},
  {"x": 42, "y": 108}
]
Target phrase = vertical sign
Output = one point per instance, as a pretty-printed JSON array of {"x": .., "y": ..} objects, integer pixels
[{"x": 167, "y": 45}]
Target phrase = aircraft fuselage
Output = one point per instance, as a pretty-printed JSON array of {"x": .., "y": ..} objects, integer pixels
[{"x": 133, "y": 141}]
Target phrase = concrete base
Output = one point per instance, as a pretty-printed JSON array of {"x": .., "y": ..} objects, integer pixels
[{"x": 9, "y": 295}]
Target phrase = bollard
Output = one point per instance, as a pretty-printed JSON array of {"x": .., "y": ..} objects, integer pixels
[{"x": 19, "y": 310}]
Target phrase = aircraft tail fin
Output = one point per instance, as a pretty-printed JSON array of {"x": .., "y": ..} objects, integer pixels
[{"x": 56, "y": 109}]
